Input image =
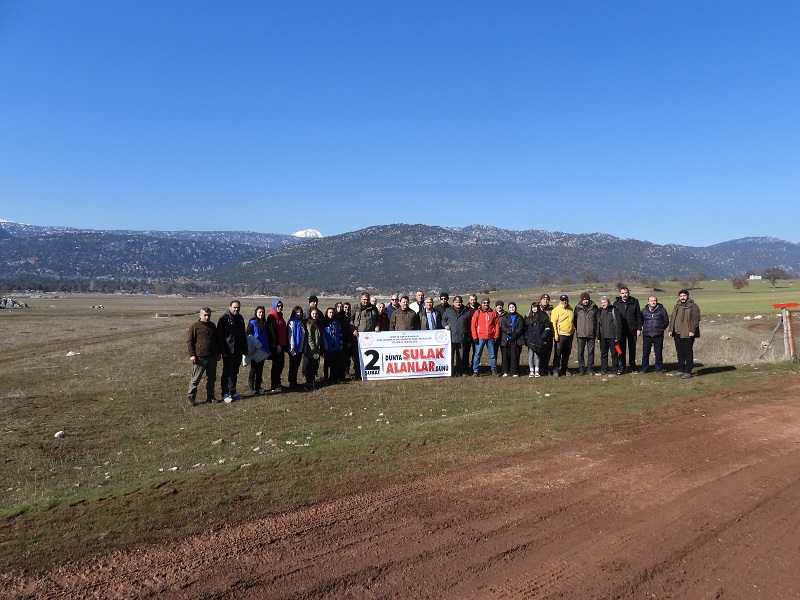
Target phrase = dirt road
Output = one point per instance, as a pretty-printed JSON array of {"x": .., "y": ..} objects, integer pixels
[{"x": 704, "y": 506}]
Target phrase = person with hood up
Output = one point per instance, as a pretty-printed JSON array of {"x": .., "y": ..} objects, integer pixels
[
  {"x": 684, "y": 328},
  {"x": 297, "y": 342},
  {"x": 232, "y": 343},
  {"x": 333, "y": 347},
  {"x": 538, "y": 332},
  {"x": 586, "y": 332},
  {"x": 257, "y": 327},
  {"x": 512, "y": 338},
  {"x": 655, "y": 321},
  {"x": 278, "y": 342}
]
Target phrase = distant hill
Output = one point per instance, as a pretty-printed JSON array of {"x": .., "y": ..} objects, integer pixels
[
  {"x": 387, "y": 257},
  {"x": 250, "y": 238}
]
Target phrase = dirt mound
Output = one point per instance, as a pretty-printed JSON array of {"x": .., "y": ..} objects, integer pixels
[{"x": 704, "y": 506}]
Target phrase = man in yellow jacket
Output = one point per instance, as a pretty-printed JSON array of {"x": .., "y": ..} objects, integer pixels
[{"x": 563, "y": 320}]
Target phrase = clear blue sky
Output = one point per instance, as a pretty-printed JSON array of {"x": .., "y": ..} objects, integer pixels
[{"x": 674, "y": 122}]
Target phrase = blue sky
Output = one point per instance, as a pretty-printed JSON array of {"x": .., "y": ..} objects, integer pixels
[{"x": 673, "y": 122}]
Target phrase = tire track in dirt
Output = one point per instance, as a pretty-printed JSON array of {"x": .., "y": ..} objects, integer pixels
[{"x": 633, "y": 513}]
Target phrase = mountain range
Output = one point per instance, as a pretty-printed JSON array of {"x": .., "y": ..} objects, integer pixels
[{"x": 385, "y": 258}]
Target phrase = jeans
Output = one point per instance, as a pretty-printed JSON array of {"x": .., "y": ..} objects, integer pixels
[
  {"x": 479, "y": 351},
  {"x": 535, "y": 360}
]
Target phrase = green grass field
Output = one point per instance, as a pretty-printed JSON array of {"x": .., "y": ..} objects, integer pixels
[{"x": 137, "y": 465}]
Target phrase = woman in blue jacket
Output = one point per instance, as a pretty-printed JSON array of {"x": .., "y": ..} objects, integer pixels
[
  {"x": 257, "y": 327},
  {"x": 333, "y": 347},
  {"x": 297, "y": 343}
]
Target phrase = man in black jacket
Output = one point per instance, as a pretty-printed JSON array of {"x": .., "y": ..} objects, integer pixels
[
  {"x": 630, "y": 314},
  {"x": 232, "y": 345},
  {"x": 457, "y": 320}
]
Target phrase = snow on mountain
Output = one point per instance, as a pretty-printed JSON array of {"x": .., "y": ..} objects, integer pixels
[{"x": 307, "y": 233}]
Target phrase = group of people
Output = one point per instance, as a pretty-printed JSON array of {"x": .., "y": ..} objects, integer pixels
[{"x": 310, "y": 336}]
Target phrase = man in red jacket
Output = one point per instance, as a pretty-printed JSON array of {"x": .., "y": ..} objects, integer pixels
[{"x": 484, "y": 332}]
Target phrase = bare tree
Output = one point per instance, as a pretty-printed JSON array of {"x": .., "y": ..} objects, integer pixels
[
  {"x": 773, "y": 274},
  {"x": 588, "y": 275},
  {"x": 696, "y": 278}
]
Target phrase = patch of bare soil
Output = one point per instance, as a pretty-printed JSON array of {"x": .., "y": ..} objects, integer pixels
[{"x": 704, "y": 506}]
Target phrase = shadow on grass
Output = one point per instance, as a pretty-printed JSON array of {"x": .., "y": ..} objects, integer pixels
[{"x": 712, "y": 370}]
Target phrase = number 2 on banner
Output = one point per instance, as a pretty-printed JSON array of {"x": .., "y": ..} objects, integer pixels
[{"x": 374, "y": 356}]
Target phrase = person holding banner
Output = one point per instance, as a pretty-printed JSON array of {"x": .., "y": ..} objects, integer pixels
[
  {"x": 484, "y": 331},
  {"x": 365, "y": 316}
]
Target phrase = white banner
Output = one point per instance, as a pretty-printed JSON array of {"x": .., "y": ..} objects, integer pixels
[{"x": 404, "y": 354}]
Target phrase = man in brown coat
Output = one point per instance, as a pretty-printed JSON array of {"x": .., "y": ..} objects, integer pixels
[
  {"x": 404, "y": 319},
  {"x": 684, "y": 328},
  {"x": 203, "y": 355}
]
